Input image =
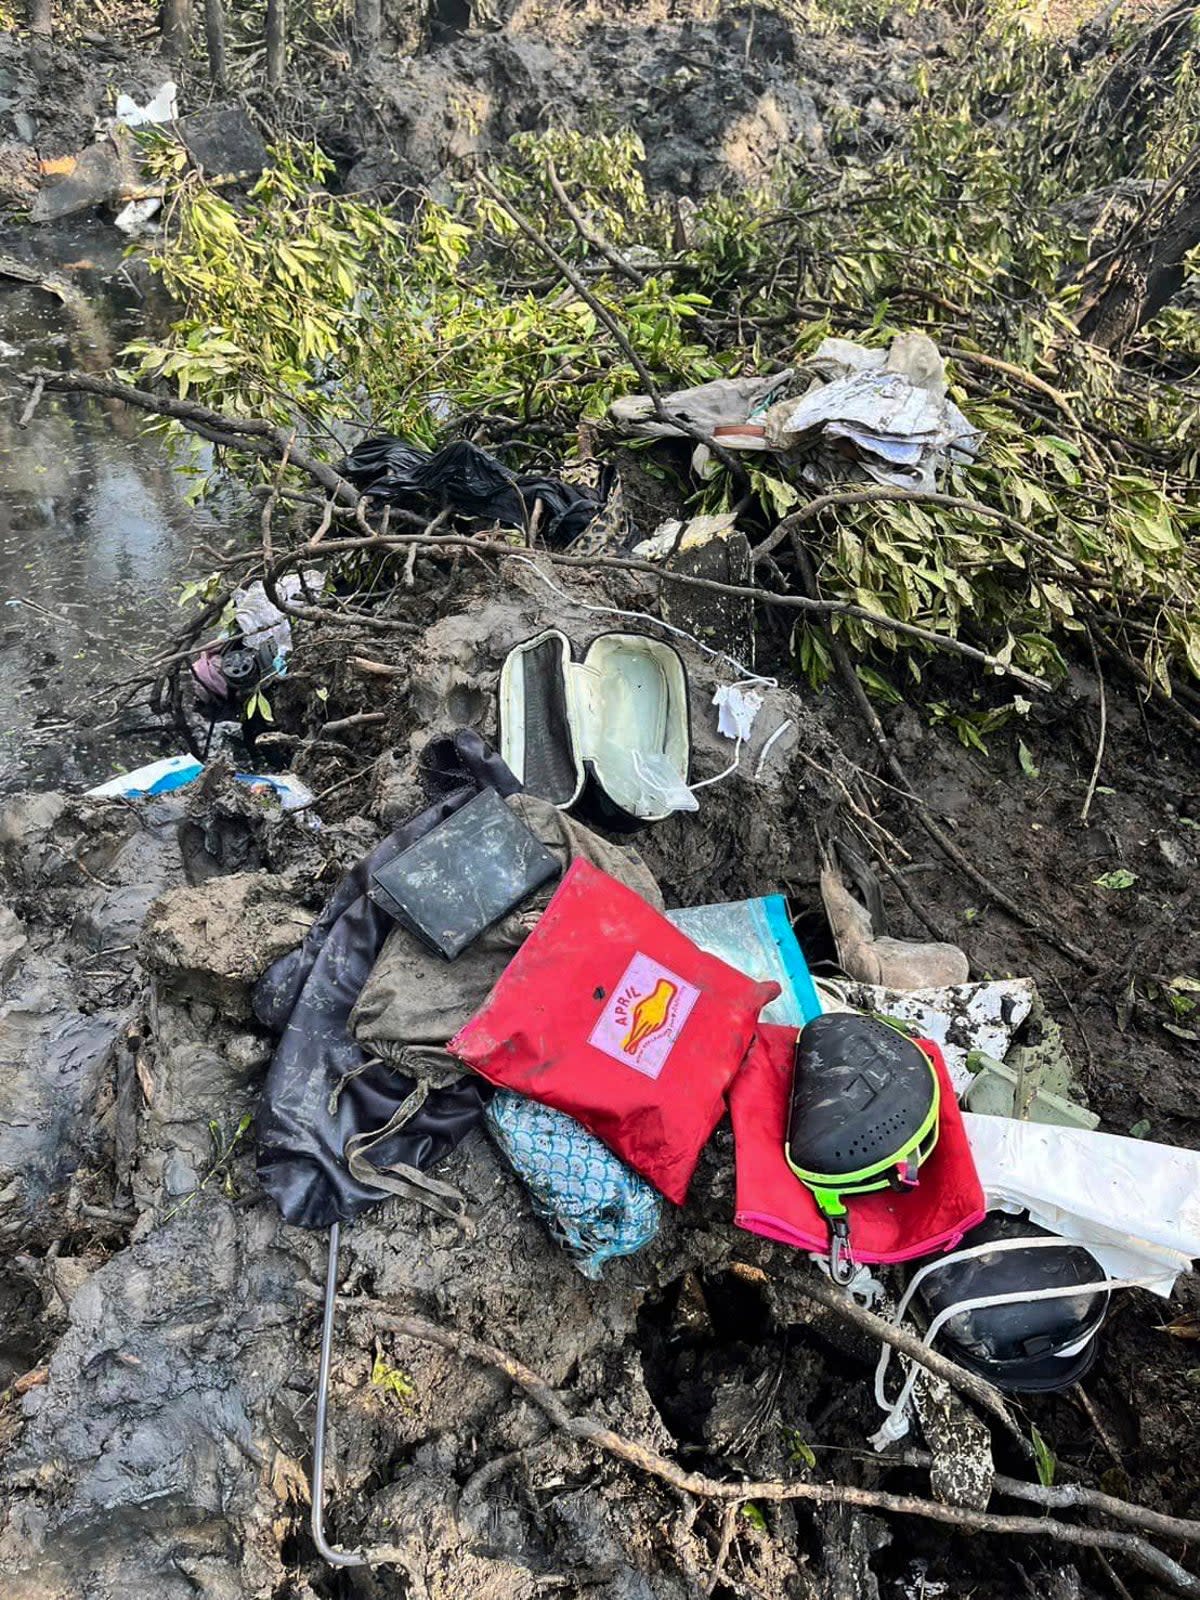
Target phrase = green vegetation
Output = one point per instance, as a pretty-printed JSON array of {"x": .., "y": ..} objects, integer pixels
[{"x": 319, "y": 311}]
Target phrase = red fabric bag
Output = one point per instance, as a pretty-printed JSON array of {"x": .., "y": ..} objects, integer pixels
[
  {"x": 610, "y": 1014},
  {"x": 887, "y": 1225}
]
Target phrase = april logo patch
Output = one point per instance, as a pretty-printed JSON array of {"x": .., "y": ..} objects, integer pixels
[{"x": 645, "y": 1016}]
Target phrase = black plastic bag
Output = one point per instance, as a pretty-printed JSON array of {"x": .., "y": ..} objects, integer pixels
[
  {"x": 473, "y": 482},
  {"x": 319, "y": 1091}
]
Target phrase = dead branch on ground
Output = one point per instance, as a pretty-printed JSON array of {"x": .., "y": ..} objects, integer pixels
[{"x": 643, "y": 1458}]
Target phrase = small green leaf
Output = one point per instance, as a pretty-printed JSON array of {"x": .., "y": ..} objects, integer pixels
[
  {"x": 1028, "y": 765},
  {"x": 802, "y": 1454},
  {"x": 781, "y": 494},
  {"x": 753, "y": 1515},
  {"x": 392, "y": 1380},
  {"x": 1140, "y": 1129},
  {"x": 1119, "y": 878},
  {"x": 1043, "y": 1458},
  {"x": 877, "y": 686}
]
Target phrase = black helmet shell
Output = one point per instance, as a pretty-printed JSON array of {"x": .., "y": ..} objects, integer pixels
[{"x": 861, "y": 1093}]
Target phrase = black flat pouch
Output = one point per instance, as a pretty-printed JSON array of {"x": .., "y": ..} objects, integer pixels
[
  {"x": 466, "y": 873},
  {"x": 322, "y": 1089}
]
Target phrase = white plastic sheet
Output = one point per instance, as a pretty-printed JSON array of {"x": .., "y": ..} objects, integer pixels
[
  {"x": 262, "y": 622},
  {"x": 161, "y": 107},
  {"x": 737, "y": 708},
  {"x": 961, "y": 1018},
  {"x": 1134, "y": 1204}
]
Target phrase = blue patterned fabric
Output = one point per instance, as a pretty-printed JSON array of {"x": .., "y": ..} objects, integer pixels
[{"x": 595, "y": 1206}]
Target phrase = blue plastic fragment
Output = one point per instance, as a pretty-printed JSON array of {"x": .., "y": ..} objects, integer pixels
[{"x": 757, "y": 938}]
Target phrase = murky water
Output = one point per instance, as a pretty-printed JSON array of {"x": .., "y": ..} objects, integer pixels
[{"x": 95, "y": 536}]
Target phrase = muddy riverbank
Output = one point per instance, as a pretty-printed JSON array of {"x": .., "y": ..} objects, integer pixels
[{"x": 158, "y": 1321}]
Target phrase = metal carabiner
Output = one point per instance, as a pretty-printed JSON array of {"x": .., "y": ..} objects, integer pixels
[{"x": 842, "y": 1265}]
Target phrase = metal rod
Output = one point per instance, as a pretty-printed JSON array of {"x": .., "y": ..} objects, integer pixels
[{"x": 328, "y": 1552}]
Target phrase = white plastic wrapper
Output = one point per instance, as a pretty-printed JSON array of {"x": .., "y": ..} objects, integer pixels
[{"x": 1134, "y": 1204}]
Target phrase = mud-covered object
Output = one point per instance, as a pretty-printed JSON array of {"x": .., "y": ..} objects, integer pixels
[
  {"x": 592, "y": 1203},
  {"x": 465, "y": 477},
  {"x": 472, "y": 869},
  {"x": 322, "y": 1089},
  {"x": 414, "y": 997}
]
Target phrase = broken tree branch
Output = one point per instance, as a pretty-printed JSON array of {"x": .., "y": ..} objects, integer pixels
[
  {"x": 815, "y": 1288},
  {"x": 1076, "y": 1496},
  {"x": 1023, "y": 916},
  {"x": 795, "y": 602},
  {"x": 1099, "y": 761},
  {"x": 615, "y": 329},
  {"x": 589, "y": 234},
  {"x": 31, "y": 405},
  {"x": 276, "y": 37},
  {"x": 589, "y": 1430},
  {"x": 360, "y": 719},
  {"x": 254, "y": 435},
  {"x": 834, "y": 498}
]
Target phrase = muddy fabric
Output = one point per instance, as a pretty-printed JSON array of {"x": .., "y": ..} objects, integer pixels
[
  {"x": 322, "y": 1090},
  {"x": 464, "y": 476},
  {"x": 414, "y": 997},
  {"x": 594, "y": 1206}
]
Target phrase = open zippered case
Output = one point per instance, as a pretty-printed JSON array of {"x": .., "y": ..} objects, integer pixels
[{"x": 608, "y": 736}]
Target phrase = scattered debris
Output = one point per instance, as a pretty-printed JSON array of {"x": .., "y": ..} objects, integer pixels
[
  {"x": 1003, "y": 1090},
  {"x": 608, "y": 735},
  {"x": 100, "y": 175},
  {"x": 887, "y": 1226},
  {"x": 869, "y": 416},
  {"x": 1015, "y": 1304},
  {"x": 961, "y": 1018},
  {"x": 462, "y": 475},
  {"x": 847, "y": 414},
  {"x": 163, "y": 106},
  {"x": 176, "y": 772},
  {"x": 756, "y": 937},
  {"x": 1078, "y": 1183},
  {"x": 611, "y": 1012},
  {"x": 134, "y": 219},
  {"x": 222, "y": 142}
]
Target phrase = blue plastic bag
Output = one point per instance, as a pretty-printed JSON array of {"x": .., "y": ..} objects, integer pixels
[{"x": 594, "y": 1205}]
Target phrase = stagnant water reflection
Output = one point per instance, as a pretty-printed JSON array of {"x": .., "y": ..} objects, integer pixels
[{"x": 95, "y": 535}]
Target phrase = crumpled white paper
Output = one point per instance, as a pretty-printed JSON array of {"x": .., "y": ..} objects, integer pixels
[{"x": 737, "y": 707}]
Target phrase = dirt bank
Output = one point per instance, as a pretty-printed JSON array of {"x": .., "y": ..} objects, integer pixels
[
  {"x": 719, "y": 95},
  {"x": 169, "y": 1317}
]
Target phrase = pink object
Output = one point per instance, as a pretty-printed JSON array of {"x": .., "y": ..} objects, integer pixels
[
  {"x": 206, "y": 669},
  {"x": 889, "y": 1225}
]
